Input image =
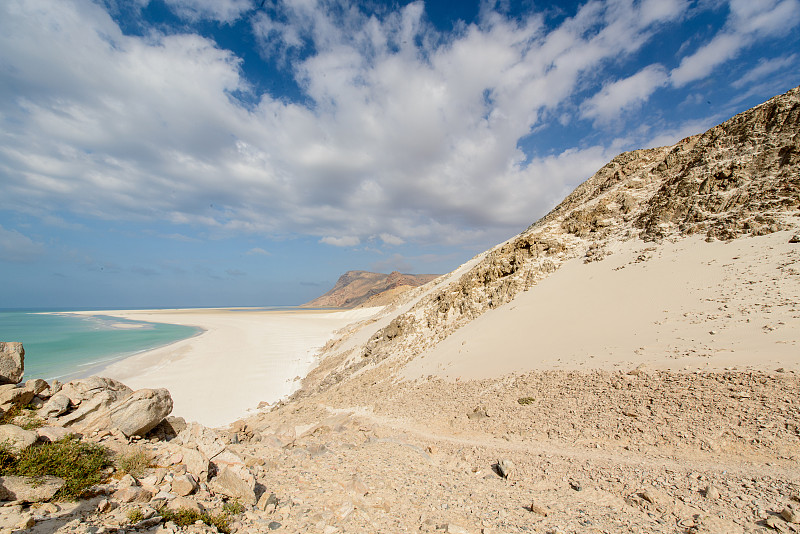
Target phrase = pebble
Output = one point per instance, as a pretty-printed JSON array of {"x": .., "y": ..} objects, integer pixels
[
  {"x": 791, "y": 513},
  {"x": 274, "y": 525},
  {"x": 505, "y": 467},
  {"x": 712, "y": 492},
  {"x": 539, "y": 510}
]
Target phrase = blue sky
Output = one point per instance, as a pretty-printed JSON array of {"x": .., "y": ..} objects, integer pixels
[{"x": 229, "y": 152}]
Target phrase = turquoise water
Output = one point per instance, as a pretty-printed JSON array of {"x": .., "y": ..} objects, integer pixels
[{"x": 59, "y": 345}]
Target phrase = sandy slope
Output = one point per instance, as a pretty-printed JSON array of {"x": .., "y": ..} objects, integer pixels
[
  {"x": 682, "y": 305},
  {"x": 244, "y": 357}
]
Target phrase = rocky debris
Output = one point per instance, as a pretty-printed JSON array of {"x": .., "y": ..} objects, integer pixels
[
  {"x": 12, "y": 362},
  {"x": 23, "y": 489}
]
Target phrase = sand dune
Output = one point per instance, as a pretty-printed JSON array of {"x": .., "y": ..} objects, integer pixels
[{"x": 679, "y": 306}]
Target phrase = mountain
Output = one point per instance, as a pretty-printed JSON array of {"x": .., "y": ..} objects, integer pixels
[
  {"x": 740, "y": 178},
  {"x": 628, "y": 363},
  {"x": 366, "y": 289}
]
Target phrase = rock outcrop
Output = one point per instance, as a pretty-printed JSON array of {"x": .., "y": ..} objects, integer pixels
[
  {"x": 12, "y": 362},
  {"x": 739, "y": 178},
  {"x": 364, "y": 289}
]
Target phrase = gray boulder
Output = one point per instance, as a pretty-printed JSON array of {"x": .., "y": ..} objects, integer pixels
[{"x": 12, "y": 362}]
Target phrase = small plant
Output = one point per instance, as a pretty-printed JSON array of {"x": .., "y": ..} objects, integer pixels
[
  {"x": 184, "y": 517},
  {"x": 135, "y": 515},
  {"x": 233, "y": 507},
  {"x": 526, "y": 400},
  {"x": 135, "y": 461},
  {"x": 79, "y": 464}
]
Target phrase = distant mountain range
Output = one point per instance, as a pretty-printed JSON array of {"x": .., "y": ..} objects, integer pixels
[{"x": 364, "y": 289}]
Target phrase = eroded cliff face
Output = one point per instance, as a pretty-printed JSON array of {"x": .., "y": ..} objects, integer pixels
[{"x": 741, "y": 177}]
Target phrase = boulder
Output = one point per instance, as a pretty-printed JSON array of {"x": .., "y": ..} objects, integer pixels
[
  {"x": 235, "y": 483},
  {"x": 196, "y": 463},
  {"x": 132, "y": 494},
  {"x": 183, "y": 485},
  {"x": 142, "y": 411},
  {"x": 57, "y": 405},
  {"x": 134, "y": 415},
  {"x": 13, "y": 488},
  {"x": 52, "y": 433},
  {"x": 37, "y": 385},
  {"x": 11, "y": 395},
  {"x": 169, "y": 428},
  {"x": 12, "y": 362},
  {"x": 182, "y": 503},
  {"x": 17, "y": 437},
  {"x": 87, "y": 388},
  {"x": 88, "y": 409}
]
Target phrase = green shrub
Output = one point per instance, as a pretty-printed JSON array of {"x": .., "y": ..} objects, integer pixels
[
  {"x": 233, "y": 507},
  {"x": 22, "y": 417},
  {"x": 80, "y": 464},
  {"x": 526, "y": 400},
  {"x": 135, "y": 460},
  {"x": 135, "y": 515},
  {"x": 184, "y": 517}
]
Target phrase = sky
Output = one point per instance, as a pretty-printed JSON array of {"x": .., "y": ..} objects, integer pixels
[{"x": 158, "y": 153}]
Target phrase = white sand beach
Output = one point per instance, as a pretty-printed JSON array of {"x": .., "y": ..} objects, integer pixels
[{"x": 243, "y": 357}]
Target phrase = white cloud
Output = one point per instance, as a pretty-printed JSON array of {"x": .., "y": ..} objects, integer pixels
[
  {"x": 18, "y": 248},
  {"x": 748, "y": 20},
  {"x": 343, "y": 241},
  {"x": 219, "y": 10},
  {"x": 257, "y": 251},
  {"x": 406, "y": 132},
  {"x": 624, "y": 94},
  {"x": 765, "y": 68},
  {"x": 390, "y": 239}
]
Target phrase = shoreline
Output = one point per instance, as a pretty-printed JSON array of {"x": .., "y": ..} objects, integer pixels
[{"x": 241, "y": 358}]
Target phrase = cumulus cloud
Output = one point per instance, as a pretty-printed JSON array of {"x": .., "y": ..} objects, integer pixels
[
  {"x": 343, "y": 241},
  {"x": 624, "y": 94},
  {"x": 18, "y": 248},
  {"x": 257, "y": 251},
  {"x": 748, "y": 20},
  {"x": 402, "y": 134}
]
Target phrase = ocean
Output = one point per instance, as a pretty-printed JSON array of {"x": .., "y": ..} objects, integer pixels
[{"x": 64, "y": 346}]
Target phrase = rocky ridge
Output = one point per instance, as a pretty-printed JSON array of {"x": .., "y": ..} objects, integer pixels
[
  {"x": 363, "y": 289},
  {"x": 739, "y": 178}
]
